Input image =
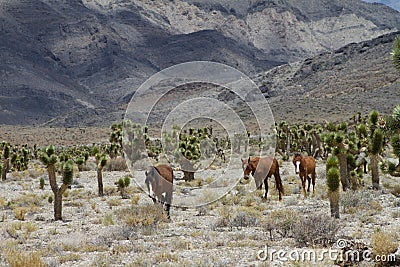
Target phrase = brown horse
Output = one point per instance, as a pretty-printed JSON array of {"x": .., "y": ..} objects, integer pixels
[
  {"x": 305, "y": 166},
  {"x": 159, "y": 182},
  {"x": 262, "y": 169}
]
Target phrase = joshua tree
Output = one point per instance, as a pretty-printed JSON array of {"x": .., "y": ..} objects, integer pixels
[
  {"x": 189, "y": 147},
  {"x": 333, "y": 180},
  {"x": 6, "y": 161},
  {"x": 189, "y": 150},
  {"x": 81, "y": 160},
  {"x": 343, "y": 144},
  {"x": 393, "y": 130},
  {"x": 336, "y": 142},
  {"x": 49, "y": 158},
  {"x": 375, "y": 147},
  {"x": 101, "y": 161}
]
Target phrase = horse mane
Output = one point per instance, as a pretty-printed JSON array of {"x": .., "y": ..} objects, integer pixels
[{"x": 156, "y": 176}]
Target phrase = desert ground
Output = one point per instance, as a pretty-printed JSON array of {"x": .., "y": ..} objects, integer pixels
[{"x": 235, "y": 230}]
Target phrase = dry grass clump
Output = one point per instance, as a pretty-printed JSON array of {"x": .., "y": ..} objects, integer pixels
[
  {"x": 135, "y": 199},
  {"x": 69, "y": 257},
  {"x": 384, "y": 243},
  {"x": 108, "y": 219},
  {"x": 31, "y": 201},
  {"x": 396, "y": 190},
  {"x": 17, "y": 258},
  {"x": 142, "y": 215},
  {"x": 115, "y": 202},
  {"x": 110, "y": 190},
  {"x": 20, "y": 213}
]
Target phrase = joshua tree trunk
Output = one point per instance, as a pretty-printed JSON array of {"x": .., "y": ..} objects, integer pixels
[
  {"x": 375, "y": 172},
  {"x": 100, "y": 181},
  {"x": 4, "y": 171},
  {"x": 343, "y": 170},
  {"x": 58, "y": 192},
  {"x": 58, "y": 202},
  {"x": 334, "y": 203}
]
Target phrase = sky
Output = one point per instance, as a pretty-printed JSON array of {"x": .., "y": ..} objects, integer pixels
[{"x": 392, "y": 3}]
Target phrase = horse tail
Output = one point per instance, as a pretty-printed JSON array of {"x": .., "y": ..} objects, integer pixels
[{"x": 278, "y": 180}]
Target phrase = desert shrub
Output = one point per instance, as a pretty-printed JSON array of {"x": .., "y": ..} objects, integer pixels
[
  {"x": 315, "y": 229},
  {"x": 281, "y": 222},
  {"x": 351, "y": 201},
  {"x": 225, "y": 217},
  {"x": 242, "y": 217},
  {"x": 383, "y": 244},
  {"x": 116, "y": 164}
]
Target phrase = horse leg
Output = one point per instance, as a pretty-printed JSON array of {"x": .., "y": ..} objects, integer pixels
[
  {"x": 313, "y": 180},
  {"x": 278, "y": 182},
  {"x": 303, "y": 184},
  {"x": 266, "y": 187},
  {"x": 167, "y": 202},
  {"x": 309, "y": 183}
]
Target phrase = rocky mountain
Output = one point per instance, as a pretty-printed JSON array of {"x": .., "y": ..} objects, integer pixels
[
  {"x": 78, "y": 62},
  {"x": 335, "y": 85},
  {"x": 392, "y": 3}
]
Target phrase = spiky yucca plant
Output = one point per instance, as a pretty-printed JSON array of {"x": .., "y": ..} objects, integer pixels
[
  {"x": 122, "y": 184},
  {"x": 48, "y": 158},
  {"x": 333, "y": 182}
]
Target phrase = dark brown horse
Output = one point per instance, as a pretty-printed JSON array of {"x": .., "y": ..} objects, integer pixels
[
  {"x": 261, "y": 169},
  {"x": 305, "y": 166},
  {"x": 159, "y": 182}
]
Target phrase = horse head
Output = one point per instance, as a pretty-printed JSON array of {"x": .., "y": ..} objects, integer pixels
[
  {"x": 151, "y": 180},
  {"x": 297, "y": 161},
  {"x": 248, "y": 167}
]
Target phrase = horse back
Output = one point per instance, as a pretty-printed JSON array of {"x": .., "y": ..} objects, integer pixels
[
  {"x": 268, "y": 165},
  {"x": 309, "y": 163},
  {"x": 166, "y": 172}
]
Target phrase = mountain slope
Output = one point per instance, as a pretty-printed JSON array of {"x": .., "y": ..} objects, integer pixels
[
  {"x": 335, "y": 85},
  {"x": 78, "y": 62},
  {"x": 395, "y": 4}
]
